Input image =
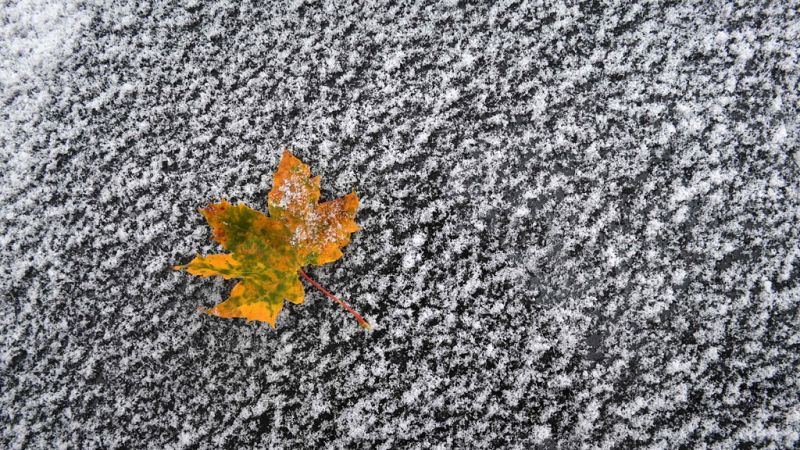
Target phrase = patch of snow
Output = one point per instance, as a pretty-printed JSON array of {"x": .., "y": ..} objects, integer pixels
[{"x": 579, "y": 224}]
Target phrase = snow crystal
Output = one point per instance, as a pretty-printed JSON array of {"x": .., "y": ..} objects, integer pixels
[
  {"x": 780, "y": 134},
  {"x": 394, "y": 62}
]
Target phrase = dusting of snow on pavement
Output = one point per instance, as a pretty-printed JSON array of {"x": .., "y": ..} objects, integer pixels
[{"x": 580, "y": 223}]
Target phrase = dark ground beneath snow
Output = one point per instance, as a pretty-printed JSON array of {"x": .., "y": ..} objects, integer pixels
[{"x": 580, "y": 224}]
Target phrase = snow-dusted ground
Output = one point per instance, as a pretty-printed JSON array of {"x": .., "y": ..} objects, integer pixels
[{"x": 580, "y": 224}]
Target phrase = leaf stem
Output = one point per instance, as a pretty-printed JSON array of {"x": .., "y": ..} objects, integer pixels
[{"x": 363, "y": 323}]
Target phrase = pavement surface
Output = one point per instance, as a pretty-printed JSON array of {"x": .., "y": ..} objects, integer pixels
[{"x": 580, "y": 223}]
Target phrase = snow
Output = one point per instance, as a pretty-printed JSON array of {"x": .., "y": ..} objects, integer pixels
[{"x": 580, "y": 224}]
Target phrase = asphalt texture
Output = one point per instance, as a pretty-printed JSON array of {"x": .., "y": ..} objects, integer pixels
[{"x": 580, "y": 224}]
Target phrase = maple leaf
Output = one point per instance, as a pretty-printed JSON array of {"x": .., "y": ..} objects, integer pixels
[{"x": 267, "y": 253}]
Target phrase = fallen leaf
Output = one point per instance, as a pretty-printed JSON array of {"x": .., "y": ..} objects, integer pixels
[{"x": 268, "y": 253}]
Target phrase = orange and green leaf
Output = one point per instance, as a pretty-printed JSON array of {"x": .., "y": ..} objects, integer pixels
[
  {"x": 267, "y": 253},
  {"x": 318, "y": 230}
]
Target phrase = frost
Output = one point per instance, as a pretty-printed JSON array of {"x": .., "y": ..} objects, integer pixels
[
  {"x": 780, "y": 134},
  {"x": 579, "y": 224},
  {"x": 394, "y": 62}
]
